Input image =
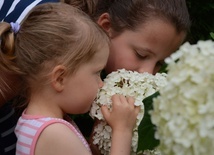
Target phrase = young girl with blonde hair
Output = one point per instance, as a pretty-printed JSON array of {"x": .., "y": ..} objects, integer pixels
[{"x": 59, "y": 53}]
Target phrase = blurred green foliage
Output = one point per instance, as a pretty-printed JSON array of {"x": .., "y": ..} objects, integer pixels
[
  {"x": 212, "y": 35},
  {"x": 202, "y": 18},
  {"x": 146, "y": 130}
]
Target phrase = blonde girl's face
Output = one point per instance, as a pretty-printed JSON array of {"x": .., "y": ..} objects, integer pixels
[
  {"x": 145, "y": 49},
  {"x": 81, "y": 88}
]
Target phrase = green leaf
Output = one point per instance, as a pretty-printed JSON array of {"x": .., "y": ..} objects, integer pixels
[
  {"x": 212, "y": 35},
  {"x": 146, "y": 130}
]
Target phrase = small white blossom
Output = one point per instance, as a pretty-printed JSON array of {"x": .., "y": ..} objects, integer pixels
[
  {"x": 184, "y": 111},
  {"x": 149, "y": 152},
  {"x": 128, "y": 83}
]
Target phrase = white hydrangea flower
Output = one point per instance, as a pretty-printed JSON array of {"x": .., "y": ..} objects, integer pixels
[
  {"x": 184, "y": 111},
  {"x": 128, "y": 83},
  {"x": 150, "y": 152}
]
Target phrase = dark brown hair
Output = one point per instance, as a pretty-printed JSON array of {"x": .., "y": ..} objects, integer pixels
[{"x": 129, "y": 14}]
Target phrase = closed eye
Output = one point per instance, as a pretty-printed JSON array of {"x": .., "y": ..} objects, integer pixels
[
  {"x": 140, "y": 56},
  {"x": 99, "y": 72}
]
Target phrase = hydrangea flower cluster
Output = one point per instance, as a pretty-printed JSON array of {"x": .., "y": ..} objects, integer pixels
[
  {"x": 128, "y": 83},
  {"x": 150, "y": 152},
  {"x": 184, "y": 111}
]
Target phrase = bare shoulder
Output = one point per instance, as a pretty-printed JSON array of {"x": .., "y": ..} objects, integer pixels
[{"x": 59, "y": 139}]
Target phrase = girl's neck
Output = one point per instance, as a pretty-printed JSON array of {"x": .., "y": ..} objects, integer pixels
[{"x": 47, "y": 108}]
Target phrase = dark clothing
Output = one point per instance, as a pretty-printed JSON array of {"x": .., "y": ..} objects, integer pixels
[
  {"x": 8, "y": 121},
  {"x": 16, "y": 10}
]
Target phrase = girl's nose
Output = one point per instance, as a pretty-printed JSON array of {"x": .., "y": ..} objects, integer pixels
[
  {"x": 148, "y": 69},
  {"x": 101, "y": 83}
]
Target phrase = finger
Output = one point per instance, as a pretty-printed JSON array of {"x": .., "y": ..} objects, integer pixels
[
  {"x": 123, "y": 99},
  {"x": 115, "y": 98},
  {"x": 137, "y": 109},
  {"x": 130, "y": 100},
  {"x": 105, "y": 111}
]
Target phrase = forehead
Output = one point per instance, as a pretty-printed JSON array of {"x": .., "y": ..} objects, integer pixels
[
  {"x": 101, "y": 56},
  {"x": 159, "y": 36}
]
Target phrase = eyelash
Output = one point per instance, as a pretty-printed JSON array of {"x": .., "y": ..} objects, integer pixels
[
  {"x": 145, "y": 56},
  {"x": 99, "y": 72},
  {"x": 140, "y": 56}
]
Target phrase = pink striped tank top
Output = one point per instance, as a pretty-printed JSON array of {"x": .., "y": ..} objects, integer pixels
[{"x": 29, "y": 127}]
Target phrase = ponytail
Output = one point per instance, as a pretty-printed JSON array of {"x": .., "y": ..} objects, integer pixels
[
  {"x": 7, "y": 50},
  {"x": 10, "y": 79}
]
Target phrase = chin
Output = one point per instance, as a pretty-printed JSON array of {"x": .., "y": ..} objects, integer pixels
[{"x": 83, "y": 111}]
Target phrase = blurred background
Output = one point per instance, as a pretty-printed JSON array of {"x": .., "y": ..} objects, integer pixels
[{"x": 202, "y": 18}]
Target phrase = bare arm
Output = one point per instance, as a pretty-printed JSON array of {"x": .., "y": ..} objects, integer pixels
[{"x": 122, "y": 119}]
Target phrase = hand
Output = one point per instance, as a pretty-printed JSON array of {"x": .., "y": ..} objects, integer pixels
[{"x": 123, "y": 114}]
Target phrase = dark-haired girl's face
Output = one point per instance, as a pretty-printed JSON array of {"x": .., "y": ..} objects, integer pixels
[{"x": 145, "y": 49}]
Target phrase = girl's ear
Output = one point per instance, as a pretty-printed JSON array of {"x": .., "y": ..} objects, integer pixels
[
  {"x": 58, "y": 78},
  {"x": 105, "y": 23}
]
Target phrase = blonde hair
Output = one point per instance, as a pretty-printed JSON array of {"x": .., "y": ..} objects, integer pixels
[
  {"x": 53, "y": 34},
  {"x": 8, "y": 69},
  {"x": 7, "y": 49}
]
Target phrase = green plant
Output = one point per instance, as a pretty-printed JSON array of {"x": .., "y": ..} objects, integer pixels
[{"x": 201, "y": 15}]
